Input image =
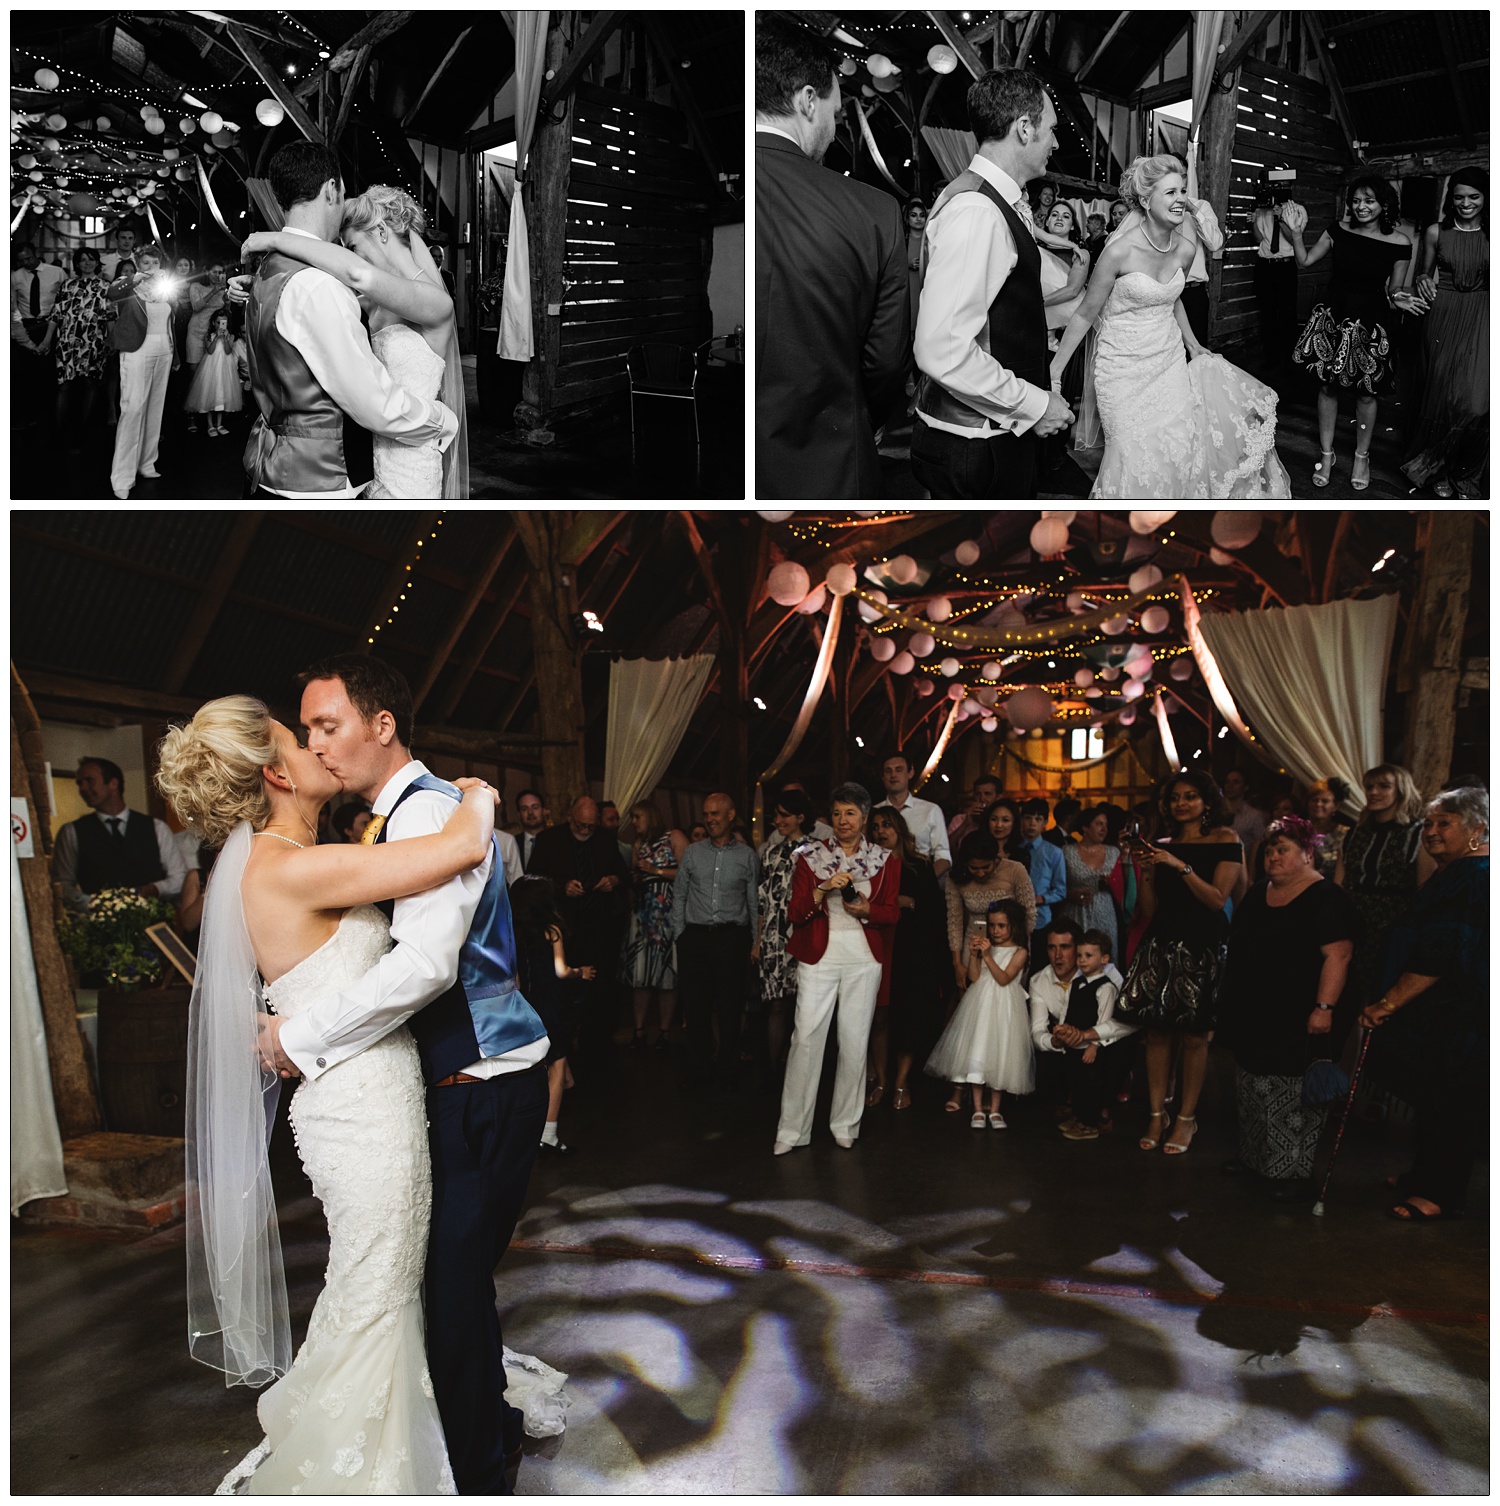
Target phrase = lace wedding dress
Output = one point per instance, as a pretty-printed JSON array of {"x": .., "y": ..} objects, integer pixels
[
  {"x": 355, "y": 1413},
  {"x": 406, "y": 471},
  {"x": 1172, "y": 428}
]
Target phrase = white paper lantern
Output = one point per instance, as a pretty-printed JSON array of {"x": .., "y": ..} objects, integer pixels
[
  {"x": 1083, "y": 677},
  {"x": 57, "y": 122},
  {"x": 224, "y": 138},
  {"x": 939, "y": 609},
  {"x": 989, "y": 724},
  {"x": 1029, "y": 708},
  {"x": 1218, "y": 556},
  {"x": 1144, "y": 578},
  {"x": 814, "y": 601},
  {"x": 209, "y": 149},
  {"x": 949, "y": 666},
  {"x": 1049, "y": 536},
  {"x": 211, "y": 121},
  {"x": 842, "y": 579},
  {"x": 1114, "y": 626},
  {"x": 1132, "y": 690},
  {"x": 183, "y": 174},
  {"x": 867, "y": 91},
  {"x": 887, "y": 85},
  {"x": 156, "y": 125},
  {"x": 903, "y": 663},
  {"x": 1182, "y": 668},
  {"x": 269, "y": 112},
  {"x": 967, "y": 553},
  {"x": 45, "y": 78},
  {"x": 147, "y": 111},
  {"x": 955, "y": 692},
  {"x": 882, "y": 649},
  {"x": 26, "y": 160},
  {"x": 1149, "y": 522},
  {"x": 971, "y": 707},
  {"x": 1067, "y": 515},
  {"x": 922, "y": 644},
  {"x": 987, "y": 695},
  {"x": 187, "y": 126},
  {"x": 164, "y": 172},
  {"x": 1127, "y": 716},
  {"x": 770, "y": 517},
  {"x": 104, "y": 122},
  {"x": 1235, "y": 530},
  {"x": 1075, "y": 602},
  {"x": 990, "y": 669},
  {"x": 1155, "y": 619},
  {"x": 848, "y": 67},
  {"x": 902, "y": 569},
  {"x": 787, "y": 583},
  {"x": 1109, "y": 673},
  {"x": 880, "y": 65},
  {"x": 133, "y": 200},
  {"x": 170, "y": 153},
  {"x": 36, "y": 177},
  {"x": 924, "y": 687},
  {"x": 61, "y": 182},
  {"x": 870, "y": 613},
  {"x": 1093, "y": 693},
  {"x": 942, "y": 59}
]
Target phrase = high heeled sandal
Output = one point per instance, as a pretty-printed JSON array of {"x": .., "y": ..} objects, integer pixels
[
  {"x": 901, "y": 1099},
  {"x": 1323, "y": 470},
  {"x": 876, "y": 1093},
  {"x": 1359, "y": 482},
  {"x": 1150, "y": 1142},
  {"x": 1172, "y": 1149}
]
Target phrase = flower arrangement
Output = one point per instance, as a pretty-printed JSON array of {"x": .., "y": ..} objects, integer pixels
[
  {"x": 492, "y": 291},
  {"x": 109, "y": 939}
]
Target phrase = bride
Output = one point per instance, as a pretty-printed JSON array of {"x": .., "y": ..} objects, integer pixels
[
  {"x": 412, "y": 330},
  {"x": 1170, "y": 429},
  {"x": 354, "y": 1411}
]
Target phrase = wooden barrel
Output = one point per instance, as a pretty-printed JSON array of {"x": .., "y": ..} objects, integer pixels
[{"x": 143, "y": 1060}]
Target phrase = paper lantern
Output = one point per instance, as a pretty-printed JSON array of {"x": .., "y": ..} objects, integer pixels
[
  {"x": 989, "y": 724},
  {"x": 156, "y": 125},
  {"x": 956, "y": 692},
  {"x": 1132, "y": 690},
  {"x": 148, "y": 188},
  {"x": 888, "y": 84},
  {"x": 37, "y": 208},
  {"x": 1075, "y": 602},
  {"x": 949, "y": 666},
  {"x": 903, "y": 663},
  {"x": 883, "y": 650},
  {"x": 209, "y": 149},
  {"x": 902, "y": 569},
  {"x": 924, "y": 687},
  {"x": 133, "y": 200},
  {"x": 787, "y": 583},
  {"x": 61, "y": 182},
  {"x": 1049, "y": 536},
  {"x": 224, "y": 138},
  {"x": 942, "y": 59},
  {"x": 1235, "y": 530},
  {"x": 1142, "y": 669},
  {"x": 867, "y": 91},
  {"x": 36, "y": 177},
  {"x": 1109, "y": 673},
  {"x": 170, "y": 153},
  {"x": 164, "y": 172},
  {"x": 814, "y": 601},
  {"x": 1083, "y": 677},
  {"x": 967, "y": 553},
  {"x": 1218, "y": 556},
  {"x": 1182, "y": 668},
  {"x": 57, "y": 122},
  {"x": 147, "y": 111},
  {"x": 211, "y": 121},
  {"x": 987, "y": 695},
  {"x": 922, "y": 644},
  {"x": 1029, "y": 708},
  {"x": 842, "y": 579},
  {"x": 45, "y": 78},
  {"x": 1144, "y": 578},
  {"x": 971, "y": 707},
  {"x": 880, "y": 65},
  {"x": 1155, "y": 619},
  {"x": 26, "y": 160},
  {"x": 183, "y": 174},
  {"x": 939, "y": 609},
  {"x": 1093, "y": 692},
  {"x": 1127, "y": 716},
  {"x": 1068, "y": 516},
  {"x": 269, "y": 112},
  {"x": 82, "y": 203},
  {"x": 1149, "y": 522},
  {"x": 774, "y": 517},
  {"x": 104, "y": 122},
  {"x": 848, "y": 67},
  {"x": 871, "y": 613},
  {"x": 186, "y": 126},
  {"x": 1114, "y": 626},
  {"x": 990, "y": 670}
]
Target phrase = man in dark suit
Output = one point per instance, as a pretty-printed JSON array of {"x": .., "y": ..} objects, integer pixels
[{"x": 832, "y": 319}]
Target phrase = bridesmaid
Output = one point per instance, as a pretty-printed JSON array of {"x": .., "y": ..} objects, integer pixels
[{"x": 1451, "y": 445}]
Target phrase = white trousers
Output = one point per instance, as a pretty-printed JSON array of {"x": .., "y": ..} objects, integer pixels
[
  {"x": 143, "y": 395},
  {"x": 847, "y": 978}
]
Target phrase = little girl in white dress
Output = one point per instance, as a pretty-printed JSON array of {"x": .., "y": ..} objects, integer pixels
[
  {"x": 988, "y": 1040},
  {"x": 215, "y": 388}
]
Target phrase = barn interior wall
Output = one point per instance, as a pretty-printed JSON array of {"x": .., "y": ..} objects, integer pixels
[
  {"x": 65, "y": 743},
  {"x": 726, "y": 279}
]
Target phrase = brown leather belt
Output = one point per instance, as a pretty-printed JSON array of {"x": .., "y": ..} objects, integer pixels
[{"x": 447, "y": 1082}]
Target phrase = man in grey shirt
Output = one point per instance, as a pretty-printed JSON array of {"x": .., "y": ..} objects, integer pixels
[{"x": 713, "y": 922}]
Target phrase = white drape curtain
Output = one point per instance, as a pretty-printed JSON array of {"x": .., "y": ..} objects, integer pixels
[
  {"x": 651, "y": 702},
  {"x": 36, "y": 1154},
  {"x": 1310, "y": 681},
  {"x": 954, "y": 150},
  {"x": 1207, "y": 28},
  {"x": 530, "y": 27}
]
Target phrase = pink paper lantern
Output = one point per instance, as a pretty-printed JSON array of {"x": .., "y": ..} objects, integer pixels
[
  {"x": 870, "y": 613},
  {"x": 775, "y": 517},
  {"x": 1109, "y": 672},
  {"x": 1182, "y": 668},
  {"x": 903, "y": 663},
  {"x": 939, "y": 609},
  {"x": 1083, "y": 677},
  {"x": 1049, "y": 536},
  {"x": 989, "y": 724},
  {"x": 787, "y": 583},
  {"x": 955, "y": 692},
  {"x": 814, "y": 601},
  {"x": 950, "y": 666},
  {"x": 1144, "y": 578},
  {"x": 902, "y": 569},
  {"x": 842, "y": 579},
  {"x": 924, "y": 687},
  {"x": 1155, "y": 619},
  {"x": 1235, "y": 530},
  {"x": 921, "y": 645},
  {"x": 1149, "y": 522},
  {"x": 1133, "y": 690},
  {"x": 1127, "y": 716},
  {"x": 967, "y": 553},
  {"x": 1114, "y": 626},
  {"x": 1029, "y": 707},
  {"x": 882, "y": 650},
  {"x": 990, "y": 669}
]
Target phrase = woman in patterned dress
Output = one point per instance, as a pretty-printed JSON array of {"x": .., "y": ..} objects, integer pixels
[
  {"x": 1089, "y": 863},
  {"x": 82, "y": 316},
  {"x": 1323, "y": 799},
  {"x": 778, "y": 968},
  {"x": 650, "y": 962}
]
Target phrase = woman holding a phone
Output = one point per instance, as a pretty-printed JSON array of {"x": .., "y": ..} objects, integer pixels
[{"x": 1171, "y": 990}]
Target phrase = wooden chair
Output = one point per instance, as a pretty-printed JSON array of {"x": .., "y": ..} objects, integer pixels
[{"x": 659, "y": 369}]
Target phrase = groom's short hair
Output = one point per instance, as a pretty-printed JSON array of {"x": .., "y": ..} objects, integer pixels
[
  {"x": 299, "y": 171},
  {"x": 372, "y": 687},
  {"x": 788, "y": 58},
  {"x": 999, "y": 98}
]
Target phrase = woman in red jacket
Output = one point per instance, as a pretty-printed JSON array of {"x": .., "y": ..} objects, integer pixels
[{"x": 842, "y": 916}]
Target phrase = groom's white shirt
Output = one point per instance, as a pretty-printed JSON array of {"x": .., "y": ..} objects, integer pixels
[
  {"x": 319, "y": 316},
  {"x": 428, "y": 930},
  {"x": 970, "y": 253}
]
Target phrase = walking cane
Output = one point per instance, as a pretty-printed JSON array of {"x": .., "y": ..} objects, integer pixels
[{"x": 1359, "y": 1067}]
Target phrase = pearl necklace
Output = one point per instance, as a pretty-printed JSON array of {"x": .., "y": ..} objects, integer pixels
[
  {"x": 1161, "y": 250},
  {"x": 301, "y": 846}
]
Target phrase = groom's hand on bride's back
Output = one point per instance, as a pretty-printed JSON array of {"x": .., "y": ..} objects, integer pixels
[
  {"x": 268, "y": 1044},
  {"x": 1058, "y": 416}
]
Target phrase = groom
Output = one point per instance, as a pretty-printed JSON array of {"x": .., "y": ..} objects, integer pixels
[
  {"x": 450, "y": 975},
  {"x": 984, "y": 398},
  {"x": 311, "y": 365}
]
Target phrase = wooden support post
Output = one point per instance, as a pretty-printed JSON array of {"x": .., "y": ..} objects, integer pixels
[
  {"x": 440, "y": 70},
  {"x": 351, "y": 87},
  {"x": 1028, "y": 36},
  {"x": 1433, "y": 659}
]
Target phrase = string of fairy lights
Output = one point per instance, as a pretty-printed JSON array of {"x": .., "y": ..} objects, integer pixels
[{"x": 407, "y": 586}]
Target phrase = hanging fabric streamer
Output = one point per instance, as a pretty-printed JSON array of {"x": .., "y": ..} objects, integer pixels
[
  {"x": 942, "y": 746},
  {"x": 1168, "y": 742},
  {"x": 213, "y": 203},
  {"x": 865, "y": 131}
]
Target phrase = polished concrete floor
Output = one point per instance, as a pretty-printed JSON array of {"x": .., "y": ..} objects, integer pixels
[{"x": 940, "y": 1310}]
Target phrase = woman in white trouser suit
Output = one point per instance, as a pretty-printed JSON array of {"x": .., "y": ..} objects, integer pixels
[
  {"x": 843, "y": 951},
  {"x": 143, "y": 336}
]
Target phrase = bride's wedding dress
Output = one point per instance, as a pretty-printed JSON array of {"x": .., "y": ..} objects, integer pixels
[
  {"x": 1176, "y": 429},
  {"x": 405, "y": 471},
  {"x": 355, "y": 1413}
]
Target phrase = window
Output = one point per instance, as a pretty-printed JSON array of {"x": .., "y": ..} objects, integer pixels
[{"x": 1085, "y": 743}]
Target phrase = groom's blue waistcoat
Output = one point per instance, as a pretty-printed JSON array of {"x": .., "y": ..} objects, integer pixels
[
  {"x": 484, "y": 1013},
  {"x": 297, "y": 441}
]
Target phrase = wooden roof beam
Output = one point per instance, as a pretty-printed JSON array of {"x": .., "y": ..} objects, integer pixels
[
  {"x": 1028, "y": 36},
  {"x": 351, "y": 86},
  {"x": 1246, "y": 38},
  {"x": 460, "y": 619},
  {"x": 269, "y": 77},
  {"x": 437, "y": 73},
  {"x": 489, "y": 630},
  {"x": 1098, "y": 52},
  {"x": 215, "y": 593},
  {"x": 698, "y": 131},
  {"x": 1331, "y": 78},
  {"x": 968, "y": 55},
  {"x": 1444, "y": 24},
  {"x": 386, "y": 24},
  {"x": 394, "y": 582},
  {"x": 599, "y": 31}
]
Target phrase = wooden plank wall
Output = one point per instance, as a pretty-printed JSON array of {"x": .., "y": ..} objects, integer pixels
[
  {"x": 639, "y": 237},
  {"x": 1284, "y": 121}
]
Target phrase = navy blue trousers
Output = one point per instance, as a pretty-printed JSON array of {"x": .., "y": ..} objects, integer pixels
[{"x": 484, "y": 1138}]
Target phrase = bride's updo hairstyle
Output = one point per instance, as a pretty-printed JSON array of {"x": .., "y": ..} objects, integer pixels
[
  {"x": 1139, "y": 181},
  {"x": 394, "y": 208},
  {"x": 210, "y": 769}
]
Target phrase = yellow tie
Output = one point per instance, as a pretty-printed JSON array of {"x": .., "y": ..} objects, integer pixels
[{"x": 372, "y": 831}]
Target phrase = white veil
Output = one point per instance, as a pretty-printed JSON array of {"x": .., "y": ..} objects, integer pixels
[
  {"x": 456, "y": 456},
  {"x": 236, "y": 1287}
]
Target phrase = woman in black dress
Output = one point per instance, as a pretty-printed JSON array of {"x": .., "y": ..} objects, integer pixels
[
  {"x": 1172, "y": 987},
  {"x": 1346, "y": 343},
  {"x": 1288, "y": 962}
]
